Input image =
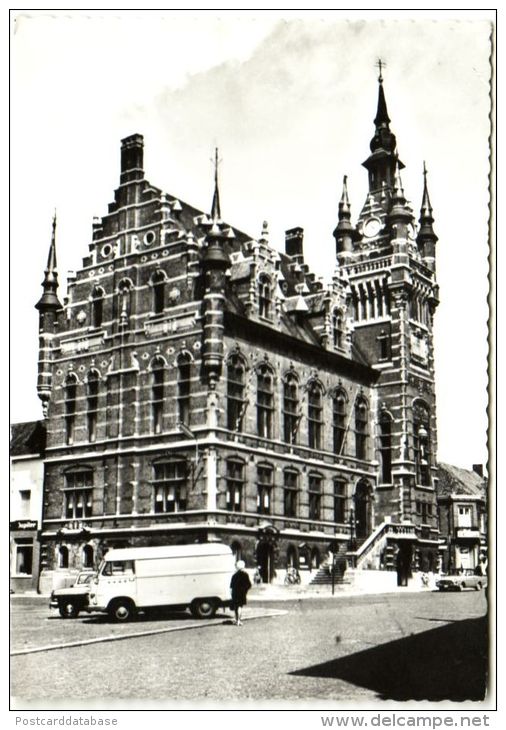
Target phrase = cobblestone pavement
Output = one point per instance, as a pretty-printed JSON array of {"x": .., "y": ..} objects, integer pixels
[{"x": 428, "y": 646}]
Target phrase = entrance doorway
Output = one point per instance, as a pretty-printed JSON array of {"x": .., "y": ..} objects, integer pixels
[
  {"x": 265, "y": 561},
  {"x": 404, "y": 558}
]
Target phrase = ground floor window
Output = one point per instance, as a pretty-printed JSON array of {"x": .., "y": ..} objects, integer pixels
[
  {"x": 23, "y": 557},
  {"x": 170, "y": 487}
]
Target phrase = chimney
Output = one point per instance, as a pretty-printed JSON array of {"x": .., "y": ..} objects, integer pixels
[
  {"x": 132, "y": 149},
  {"x": 478, "y": 469},
  {"x": 294, "y": 239}
]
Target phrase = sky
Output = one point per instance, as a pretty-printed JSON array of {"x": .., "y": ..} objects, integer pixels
[{"x": 289, "y": 98}]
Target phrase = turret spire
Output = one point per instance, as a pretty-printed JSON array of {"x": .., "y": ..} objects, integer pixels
[
  {"x": 215, "y": 208},
  {"x": 344, "y": 205},
  {"x": 426, "y": 238},
  {"x": 49, "y": 299},
  {"x": 344, "y": 233}
]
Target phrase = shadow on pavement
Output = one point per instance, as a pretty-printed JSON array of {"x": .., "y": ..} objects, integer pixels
[
  {"x": 445, "y": 663},
  {"x": 152, "y": 616}
]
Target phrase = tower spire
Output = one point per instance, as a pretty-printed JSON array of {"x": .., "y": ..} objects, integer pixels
[
  {"x": 383, "y": 158},
  {"x": 49, "y": 299},
  {"x": 215, "y": 208}
]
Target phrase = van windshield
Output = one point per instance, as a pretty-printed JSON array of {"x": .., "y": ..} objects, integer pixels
[{"x": 118, "y": 567}]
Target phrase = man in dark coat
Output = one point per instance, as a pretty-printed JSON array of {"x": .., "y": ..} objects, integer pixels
[{"x": 239, "y": 587}]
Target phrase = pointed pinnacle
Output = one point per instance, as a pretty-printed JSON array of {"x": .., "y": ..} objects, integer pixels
[
  {"x": 344, "y": 205},
  {"x": 215, "y": 208},
  {"x": 426, "y": 209}
]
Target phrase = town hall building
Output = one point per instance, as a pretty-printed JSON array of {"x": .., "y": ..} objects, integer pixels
[{"x": 198, "y": 384}]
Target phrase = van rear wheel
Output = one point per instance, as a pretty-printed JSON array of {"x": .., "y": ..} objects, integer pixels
[
  {"x": 122, "y": 610},
  {"x": 203, "y": 607}
]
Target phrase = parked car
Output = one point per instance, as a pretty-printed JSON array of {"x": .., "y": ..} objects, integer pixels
[
  {"x": 73, "y": 599},
  {"x": 458, "y": 580}
]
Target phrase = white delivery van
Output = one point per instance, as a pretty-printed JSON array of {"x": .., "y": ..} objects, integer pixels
[{"x": 180, "y": 576}]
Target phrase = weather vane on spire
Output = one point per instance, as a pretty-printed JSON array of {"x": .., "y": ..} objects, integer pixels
[{"x": 380, "y": 64}]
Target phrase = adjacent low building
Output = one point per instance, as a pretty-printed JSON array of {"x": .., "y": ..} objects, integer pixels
[
  {"x": 462, "y": 514},
  {"x": 28, "y": 443}
]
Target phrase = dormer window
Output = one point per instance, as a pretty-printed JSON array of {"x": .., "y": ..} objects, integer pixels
[
  {"x": 264, "y": 297},
  {"x": 337, "y": 329}
]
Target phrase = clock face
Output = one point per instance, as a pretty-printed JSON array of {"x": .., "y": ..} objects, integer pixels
[{"x": 372, "y": 227}]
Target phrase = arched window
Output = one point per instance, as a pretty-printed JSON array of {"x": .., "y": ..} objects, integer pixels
[
  {"x": 87, "y": 557},
  {"x": 97, "y": 307},
  {"x": 235, "y": 393},
  {"x": 264, "y": 489},
  {"x": 290, "y": 492},
  {"x": 170, "y": 486},
  {"x": 235, "y": 485},
  {"x": 158, "y": 284},
  {"x": 63, "y": 556},
  {"x": 314, "y": 415},
  {"x": 383, "y": 345},
  {"x": 385, "y": 425},
  {"x": 70, "y": 407},
  {"x": 291, "y": 557},
  {"x": 361, "y": 428},
  {"x": 78, "y": 494},
  {"x": 291, "y": 415},
  {"x": 315, "y": 496},
  {"x": 339, "y": 421},
  {"x": 265, "y": 398},
  {"x": 337, "y": 328},
  {"x": 92, "y": 404},
  {"x": 184, "y": 388},
  {"x": 422, "y": 442},
  {"x": 264, "y": 297},
  {"x": 158, "y": 383},
  {"x": 315, "y": 558},
  {"x": 124, "y": 297}
]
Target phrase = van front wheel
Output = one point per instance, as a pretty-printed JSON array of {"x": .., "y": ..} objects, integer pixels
[
  {"x": 203, "y": 607},
  {"x": 122, "y": 610}
]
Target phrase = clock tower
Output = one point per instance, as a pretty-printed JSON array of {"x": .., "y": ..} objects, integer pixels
[{"x": 389, "y": 260}]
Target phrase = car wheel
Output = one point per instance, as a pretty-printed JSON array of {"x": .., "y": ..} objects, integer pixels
[
  {"x": 122, "y": 610},
  {"x": 478, "y": 586},
  {"x": 68, "y": 609},
  {"x": 203, "y": 607}
]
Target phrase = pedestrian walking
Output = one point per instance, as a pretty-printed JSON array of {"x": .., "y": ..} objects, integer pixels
[{"x": 239, "y": 587}]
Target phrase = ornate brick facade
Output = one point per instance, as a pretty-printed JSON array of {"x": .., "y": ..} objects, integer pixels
[{"x": 200, "y": 385}]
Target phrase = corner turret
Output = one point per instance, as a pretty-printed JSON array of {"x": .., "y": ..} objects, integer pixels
[{"x": 426, "y": 238}]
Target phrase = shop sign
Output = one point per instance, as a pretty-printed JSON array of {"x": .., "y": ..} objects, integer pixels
[{"x": 23, "y": 525}]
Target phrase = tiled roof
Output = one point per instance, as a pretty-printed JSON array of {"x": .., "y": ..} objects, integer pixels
[
  {"x": 455, "y": 480},
  {"x": 28, "y": 438}
]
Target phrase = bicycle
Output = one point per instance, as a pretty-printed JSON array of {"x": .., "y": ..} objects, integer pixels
[{"x": 292, "y": 576}]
